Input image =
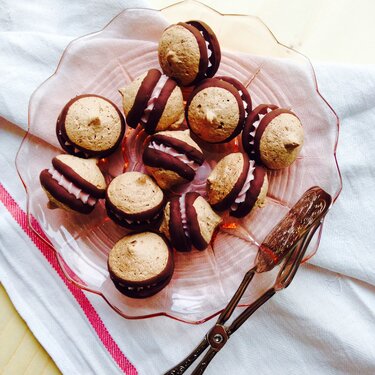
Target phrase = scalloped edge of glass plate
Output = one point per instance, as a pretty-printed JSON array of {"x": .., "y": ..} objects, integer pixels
[{"x": 64, "y": 268}]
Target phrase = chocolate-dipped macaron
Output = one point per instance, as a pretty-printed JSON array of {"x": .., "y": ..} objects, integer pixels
[
  {"x": 172, "y": 158},
  {"x": 73, "y": 183},
  {"x": 141, "y": 264},
  {"x": 237, "y": 184},
  {"x": 273, "y": 136},
  {"x": 154, "y": 101},
  {"x": 189, "y": 52},
  {"x": 189, "y": 221},
  {"x": 90, "y": 126},
  {"x": 134, "y": 201},
  {"x": 217, "y": 109}
]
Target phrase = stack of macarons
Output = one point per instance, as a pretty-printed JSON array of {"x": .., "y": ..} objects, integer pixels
[{"x": 180, "y": 130}]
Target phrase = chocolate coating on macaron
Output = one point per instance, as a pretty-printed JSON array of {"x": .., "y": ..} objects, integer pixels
[
  {"x": 193, "y": 221},
  {"x": 172, "y": 157},
  {"x": 141, "y": 264},
  {"x": 189, "y": 52},
  {"x": 143, "y": 95},
  {"x": 158, "y": 159},
  {"x": 90, "y": 126},
  {"x": 237, "y": 184},
  {"x": 154, "y": 101},
  {"x": 159, "y": 106},
  {"x": 73, "y": 176},
  {"x": 189, "y": 221},
  {"x": 215, "y": 111},
  {"x": 213, "y": 46},
  {"x": 62, "y": 195}
]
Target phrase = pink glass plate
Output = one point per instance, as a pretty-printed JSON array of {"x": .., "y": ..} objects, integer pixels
[{"x": 101, "y": 63}]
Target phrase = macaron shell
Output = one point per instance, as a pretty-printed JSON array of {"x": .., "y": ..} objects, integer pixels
[
  {"x": 166, "y": 179},
  {"x": 56, "y": 203},
  {"x": 181, "y": 135},
  {"x": 61, "y": 197},
  {"x": 173, "y": 113},
  {"x": 214, "y": 111},
  {"x": 261, "y": 201},
  {"x": 281, "y": 141},
  {"x": 135, "y": 195},
  {"x": 93, "y": 123},
  {"x": 164, "y": 226},
  {"x": 129, "y": 94},
  {"x": 138, "y": 258},
  {"x": 141, "y": 264},
  {"x": 207, "y": 219},
  {"x": 84, "y": 173},
  {"x": 226, "y": 180},
  {"x": 179, "y": 54}
]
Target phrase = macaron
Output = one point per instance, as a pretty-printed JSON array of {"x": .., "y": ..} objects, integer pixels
[
  {"x": 141, "y": 264},
  {"x": 238, "y": 184},
  {"x": 73, "y": 183},
  {"x": 217, "y": 109},
  {"x": 134, "y": 201},
  {"x": 90, "y": 126},
  {"x": 189, "y": 221},
  {"x": 273, "y": 136},
  {"x": 154, "y": 101},
  {"x": 189, "y": 52},
  {"x": 172, "y": 158}
]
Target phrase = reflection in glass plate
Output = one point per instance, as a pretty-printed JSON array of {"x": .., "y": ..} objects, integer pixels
[{"x": 101, "y": 63}]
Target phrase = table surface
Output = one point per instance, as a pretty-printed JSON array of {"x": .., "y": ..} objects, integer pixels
[{"x": 324, "y": 31}]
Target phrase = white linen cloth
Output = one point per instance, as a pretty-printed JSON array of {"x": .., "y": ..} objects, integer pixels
[{"x": 322, "y": 324}]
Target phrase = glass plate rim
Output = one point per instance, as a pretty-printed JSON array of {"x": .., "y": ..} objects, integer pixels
[{"x": 39, "y": 232}]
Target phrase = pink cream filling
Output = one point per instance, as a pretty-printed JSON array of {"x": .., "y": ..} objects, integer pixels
[
  {"x": 246, "y": 186},
  {"x": 209, "y": 53},
  {"x": 129, "y": 221},
  {"x": 71, "y": 188},
  {"x": 153, "y": 98},
  {"x": 256, "y": 125},
  {"x": 183, "y": 215},
  {"x": 171, "y": 151},
  {"x": 244, "y": 103}
]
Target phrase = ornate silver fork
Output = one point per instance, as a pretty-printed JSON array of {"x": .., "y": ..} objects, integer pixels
[{"x": 288, "y": 242}]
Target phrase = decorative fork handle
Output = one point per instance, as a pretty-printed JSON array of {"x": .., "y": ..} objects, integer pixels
[{"x": 180, "y": 368}]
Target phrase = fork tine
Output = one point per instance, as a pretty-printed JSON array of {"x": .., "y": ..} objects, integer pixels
[
  {"x": 285, "y": 278},
  {"x": 250, "y": 310}
]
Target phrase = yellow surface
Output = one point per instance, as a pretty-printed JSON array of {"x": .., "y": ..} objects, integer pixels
[
  {"x": 20, "y": 352},
  {"x": 339, "y": 31}
]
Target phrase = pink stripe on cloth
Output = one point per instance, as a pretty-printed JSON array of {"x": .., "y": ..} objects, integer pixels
[{"x": 96, "y": 322}]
